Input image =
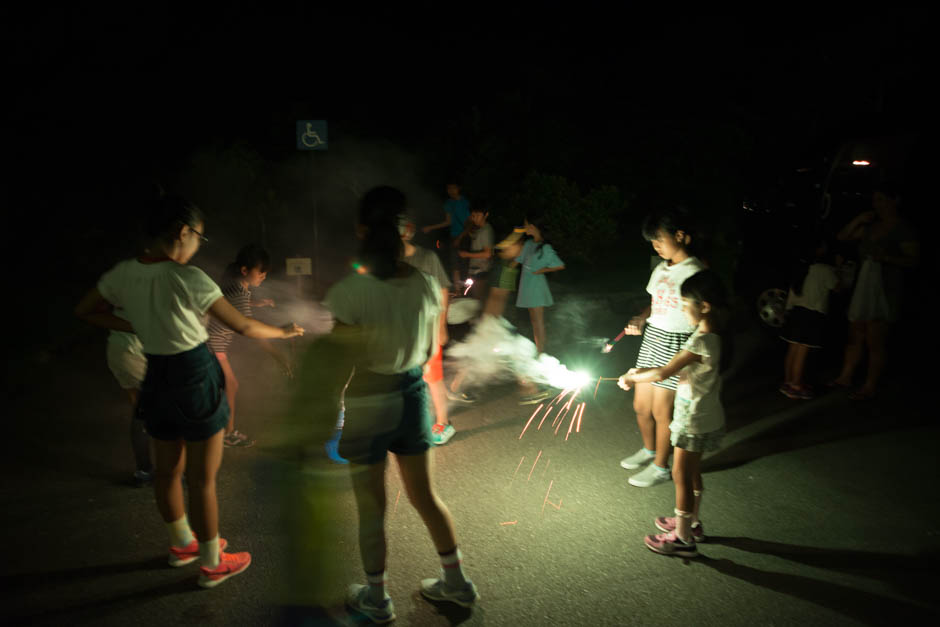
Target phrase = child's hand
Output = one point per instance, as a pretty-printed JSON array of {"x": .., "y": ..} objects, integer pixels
[
  {"x": 265, "y": 302},
  {"x": 635, "y": 326},
  {"x": 291, "y": 330},
  {"x": 625, "y": 382}
]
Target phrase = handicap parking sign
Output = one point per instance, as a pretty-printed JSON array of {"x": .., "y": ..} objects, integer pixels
[{"x": 311, "y": 135}]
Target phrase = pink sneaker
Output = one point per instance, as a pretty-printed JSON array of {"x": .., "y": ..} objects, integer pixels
[
  {"x": 668, "y": 523},
  {"x": 670, "y": 544},
  {"x": 230, "y": 564},
  {"x": 189, "y": 554}
]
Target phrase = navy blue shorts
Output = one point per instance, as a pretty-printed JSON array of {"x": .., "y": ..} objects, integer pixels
[
  {"x": 386, "y": 413},
  {"x": 183, "y": 396}
]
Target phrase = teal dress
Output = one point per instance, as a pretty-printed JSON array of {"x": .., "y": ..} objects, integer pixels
[{"x": 533, "y": 288}]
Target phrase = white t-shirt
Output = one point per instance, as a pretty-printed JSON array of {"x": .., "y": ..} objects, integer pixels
[
  {"x": 820, "y": 280},
  {"x": 664, "y": 288},
  {"x": 166, "y": 302},
  {"x": 399, "y": 317},
  {"x": 698, "y": 407}
]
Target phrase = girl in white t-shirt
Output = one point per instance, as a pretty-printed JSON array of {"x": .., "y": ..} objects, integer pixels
[
  {"x": 164, "y": 301},
  {"x": 387, "y": 322},
  {"x": 811, "y": 281},
  {"x": 699, "y": 419},
  {"x": 666, "y": 330}
]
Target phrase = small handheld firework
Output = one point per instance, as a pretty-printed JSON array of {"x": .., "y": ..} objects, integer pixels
[{"x": 609, "y": 346}]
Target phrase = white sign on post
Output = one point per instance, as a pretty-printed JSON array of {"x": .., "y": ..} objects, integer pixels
[{"x": 299, "y": 266}]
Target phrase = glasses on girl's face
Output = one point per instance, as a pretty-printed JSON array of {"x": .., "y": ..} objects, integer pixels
[{"x": 202, "y": 238}]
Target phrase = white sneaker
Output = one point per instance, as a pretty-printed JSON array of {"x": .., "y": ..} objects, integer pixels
[
  {"x": 637, "y": 459},
  {"x": 650, "y": 476}
]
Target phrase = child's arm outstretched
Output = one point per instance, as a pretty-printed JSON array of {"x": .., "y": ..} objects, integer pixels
[
  {"x": 652, "y": 375},
  {"x": 249, "y": 327}
]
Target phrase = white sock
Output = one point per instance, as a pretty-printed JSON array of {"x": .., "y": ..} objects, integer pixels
[
  {"x": 452, "y": 569},
  {"x": 180, "y": 534},
  {"x": 209, "y": 552},
  {"x": 698, "y": 503},
  {"x": 378, "y": 587},
  {"x": 684, "y": 525},
  {"x": 660, "y": 469}
]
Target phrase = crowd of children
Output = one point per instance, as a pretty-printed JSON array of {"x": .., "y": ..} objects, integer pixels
[{"x": 385, "y": 354}]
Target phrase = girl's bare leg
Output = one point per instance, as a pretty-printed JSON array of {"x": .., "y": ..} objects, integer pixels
[
  {"x": 170, "y": 456},
  {"x": 202, "y": 465},
  {"x": 140, "y": 441},
  {"x": 686, "y": 474},
  {"x": 537, "y": 315},
  {"x": 439, "y": 400},
  {"x": 877, "y": 339},
  {"x": 643, "y": 406},
  {"x": 496, "y": 301},
  {"x": 853, "y": 352},
  {"x": 231, "y": 389},
  {"x": 417, "y": 475},
  {"x": 662, "y": 415},
  {"x": 369, "y": 488},
  {"x": 799, "y": 362},
  {"x": 788, "y": 365}
]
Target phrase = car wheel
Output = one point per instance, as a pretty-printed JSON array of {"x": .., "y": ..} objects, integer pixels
[{"x": 772, "y": 307}]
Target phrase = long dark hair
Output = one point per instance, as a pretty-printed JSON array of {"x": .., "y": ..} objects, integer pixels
[
  {"x": 251, "y": 256},
  {"x": 168, "y": 214},
  {"x": 707, "y": 286},
  {"x": 381, "y": 245},
  {"x": 538, "y": 220}
]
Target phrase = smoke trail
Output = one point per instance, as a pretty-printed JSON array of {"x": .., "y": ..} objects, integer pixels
[{"x": 493, "y": 351}]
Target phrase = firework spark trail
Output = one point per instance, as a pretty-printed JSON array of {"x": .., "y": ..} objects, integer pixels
[
  {"x": 547, "y": 464},
  {"x": 508, "y": 522},
  {"x": 564, "y": 407},
  {"x": 579, "y": 416},
  {"x": 561, "y": 419},
  {"x": 395, "y": 509},
  {"x": 469, "y": 284},
  {"x": 517, "y": 470},
  {"x": 571, "y": 425},
  {"x": 530, "y": 420},
  {"x": 533, "y": 466},
  {"x": 545, "y": 500}
]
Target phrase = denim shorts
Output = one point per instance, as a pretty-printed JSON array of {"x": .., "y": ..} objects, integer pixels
[
  {"x": 386, "y": 413},
  {"x": 183, "y": 396}
]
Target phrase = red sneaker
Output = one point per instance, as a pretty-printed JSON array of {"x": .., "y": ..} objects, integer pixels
[
  {"x": 189, "y": 554},
  {"x": 230, "y": 564}
]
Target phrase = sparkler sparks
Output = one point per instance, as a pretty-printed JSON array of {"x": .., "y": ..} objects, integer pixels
[
  {"x": 508, "y": 522},
  {"x": 517, "y": 470},
  {"x": 530, "y": 420},
  {"x": 533, "y": 466},
  {"x": 469, "y": 284}
]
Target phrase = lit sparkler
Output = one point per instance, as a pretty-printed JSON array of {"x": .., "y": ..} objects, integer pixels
[
  {"x": 469, "y": 284},
  {"x": 609, "y": 346}
]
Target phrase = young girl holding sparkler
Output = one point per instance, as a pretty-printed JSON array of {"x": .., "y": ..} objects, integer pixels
[
  {"x": 249, "y": 269},
  {"x": 181, "y": 399},
  {"x": 387, "y": 322},
  {"x": 698, "y": 425},
  {"x": 667, "y": 329},
  {"x": 537, "y": 258}
]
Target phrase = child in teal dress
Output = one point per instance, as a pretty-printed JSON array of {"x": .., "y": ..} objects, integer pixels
[{"x": 537, "y": 258}]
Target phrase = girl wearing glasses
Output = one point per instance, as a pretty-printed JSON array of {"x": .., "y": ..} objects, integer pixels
[{"x": 182, "y": 402}]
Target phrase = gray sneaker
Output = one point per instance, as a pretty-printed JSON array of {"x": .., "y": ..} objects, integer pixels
[
  {"x": 650, "y": 476},
  {"x": 638, "y": 459},
  {"x": 357, "y": 598},
  {"x": 436, "y": 590}
]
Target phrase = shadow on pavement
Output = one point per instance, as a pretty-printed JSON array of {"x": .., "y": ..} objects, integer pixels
[
  {"x": 910, "y": 576},
  {"x": 30, "y": 580}
]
